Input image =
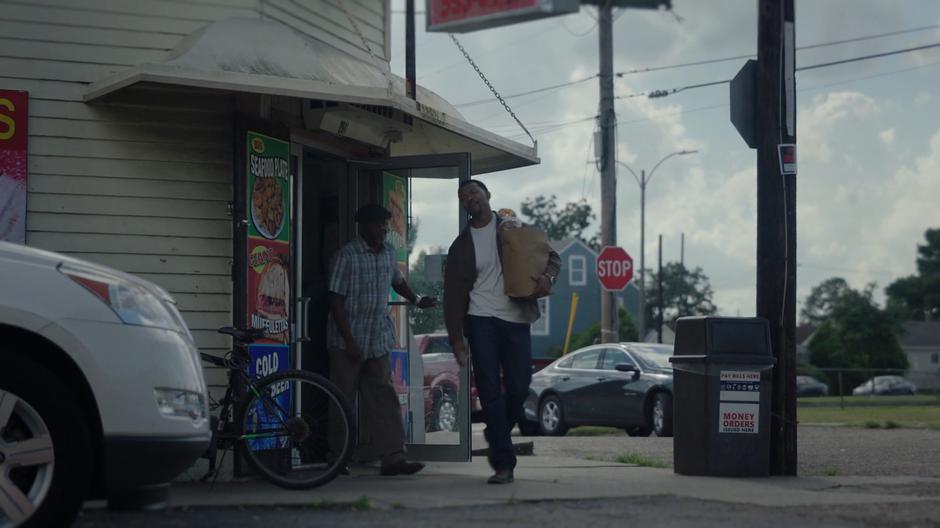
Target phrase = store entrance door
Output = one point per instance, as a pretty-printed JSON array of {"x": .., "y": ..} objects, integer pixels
[{"x": 433, "y": 390}]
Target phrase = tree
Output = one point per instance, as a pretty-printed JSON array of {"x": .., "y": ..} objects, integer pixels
[
  {"x": 430, "y": 320},
  {"x": 918, "y": 296},
  {"x": 822, "y": 299},
  {"x": 853, "y": 333},
  {"x": 627, "y": 332},
  {"x": 560, "y": 224},
  {"x": 684, "y": 293}
]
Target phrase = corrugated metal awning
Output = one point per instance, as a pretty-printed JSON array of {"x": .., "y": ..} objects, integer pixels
[{"x": 226, "y": 56}]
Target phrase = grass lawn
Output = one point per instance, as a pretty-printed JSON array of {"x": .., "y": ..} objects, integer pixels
[
  {"x": 886, "y": 416},
  {"x": 826, "y": 401},
  {"x": 594, "y": 430}
]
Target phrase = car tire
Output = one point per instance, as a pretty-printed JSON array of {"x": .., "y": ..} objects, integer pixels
[
  {"x": 638, "y": 431},
  {"x": 527, "y": 428},
  {"x": 444, "y": 414},
  {"x": 661, "y": 415},
  {"x": 35, "y": 405},
  {"x": 552, "y": 417}
]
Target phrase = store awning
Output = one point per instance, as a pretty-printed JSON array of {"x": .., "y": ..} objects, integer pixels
[{"x": 225, "y": 56}]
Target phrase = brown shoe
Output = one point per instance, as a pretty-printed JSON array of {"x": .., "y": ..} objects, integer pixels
[
  {"x": 502, "y": 476},
  {"x": 400, "y": 467}
]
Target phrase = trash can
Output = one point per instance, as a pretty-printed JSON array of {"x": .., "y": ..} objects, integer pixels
[{"x": 721, "y": 396}]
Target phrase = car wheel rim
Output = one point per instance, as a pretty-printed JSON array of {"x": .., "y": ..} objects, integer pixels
[
  {"x": 658, "y": 413},
  {"x": 27, "y": 458},
  {"x": 550, "y": 416},
  {"x": 447, "y": 415}
]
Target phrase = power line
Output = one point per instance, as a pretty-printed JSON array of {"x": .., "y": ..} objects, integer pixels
[
  {"x": 685, "y": 64},
  {"x": 549, "y": 127},
  {"x": 529, "y": 92},
  {"x": 799, "y": 48},
  {"x": 663, "y": 93}
]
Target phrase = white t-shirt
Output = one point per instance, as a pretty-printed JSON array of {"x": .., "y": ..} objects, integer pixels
[{"x": 487, "y": 298}]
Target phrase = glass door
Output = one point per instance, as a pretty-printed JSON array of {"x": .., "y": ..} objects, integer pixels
[{"x": 433, "y": 390}]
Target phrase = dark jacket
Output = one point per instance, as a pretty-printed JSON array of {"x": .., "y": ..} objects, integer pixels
[{"x": 461, "y": 273}]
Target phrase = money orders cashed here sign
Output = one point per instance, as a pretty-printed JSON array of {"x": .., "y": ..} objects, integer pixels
[
  {"x": 739, "y": 401},
  {"x": 14, "y": 134}
]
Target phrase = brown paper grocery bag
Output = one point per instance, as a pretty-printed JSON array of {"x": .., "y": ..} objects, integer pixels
[{"x": 525, "y": 256}]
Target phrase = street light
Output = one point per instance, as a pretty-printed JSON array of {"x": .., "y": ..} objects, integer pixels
[{"x": 642, "y": 180}]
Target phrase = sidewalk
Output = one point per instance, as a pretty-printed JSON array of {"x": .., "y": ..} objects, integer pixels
[{"x": 546, "y": 478}]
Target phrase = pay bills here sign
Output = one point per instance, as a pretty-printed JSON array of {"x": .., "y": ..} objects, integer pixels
[{"x": 739, "y": 401}]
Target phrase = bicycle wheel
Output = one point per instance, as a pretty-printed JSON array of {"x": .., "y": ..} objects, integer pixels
[{"x": 284, "y": 421}]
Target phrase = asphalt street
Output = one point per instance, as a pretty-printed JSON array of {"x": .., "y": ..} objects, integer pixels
[{"x": 821, "y": 451}]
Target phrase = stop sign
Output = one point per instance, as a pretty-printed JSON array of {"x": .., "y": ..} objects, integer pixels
[{"x": 614, "y": 268}]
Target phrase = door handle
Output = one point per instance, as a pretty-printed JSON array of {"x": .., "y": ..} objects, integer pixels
[
  {"x": 601, "y": 379},
  {"x": 304, "y": 309},
  {"x": 565, "y": 378}
]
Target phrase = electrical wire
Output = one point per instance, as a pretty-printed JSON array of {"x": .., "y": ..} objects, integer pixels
[
  {"x": 663, "y": 93},
  {"x": 799, "y": 48}
]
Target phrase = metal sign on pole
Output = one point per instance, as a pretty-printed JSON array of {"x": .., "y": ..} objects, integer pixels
[{"x": 470, "y": 15}]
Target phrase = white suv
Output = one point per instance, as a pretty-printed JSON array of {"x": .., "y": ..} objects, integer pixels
[{"x": 101, "y": 390}]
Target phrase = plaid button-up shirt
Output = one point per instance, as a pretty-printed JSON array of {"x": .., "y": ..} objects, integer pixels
[{"x": 363, "y": 277}]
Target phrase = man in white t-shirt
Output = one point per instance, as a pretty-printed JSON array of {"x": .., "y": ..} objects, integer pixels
[{"x": 496, "y": 325}]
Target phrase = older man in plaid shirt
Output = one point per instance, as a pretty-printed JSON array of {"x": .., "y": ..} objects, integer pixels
[{"x": 360, "y": 334}]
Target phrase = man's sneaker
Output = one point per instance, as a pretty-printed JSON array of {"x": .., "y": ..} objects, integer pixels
[
  {"x": 400, "y": 467},
  {"x": 502, "y": 476}
]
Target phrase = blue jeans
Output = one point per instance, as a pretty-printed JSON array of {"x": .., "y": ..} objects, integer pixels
[{"x": 497, "y": 344}]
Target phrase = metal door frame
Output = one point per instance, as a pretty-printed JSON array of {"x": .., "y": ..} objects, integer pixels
[{"x": 460, "y": 452}]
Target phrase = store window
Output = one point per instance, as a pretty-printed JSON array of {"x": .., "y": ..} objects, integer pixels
[
  {"x": 541, "y": 327},
  {"x": 577, "y": 270}
]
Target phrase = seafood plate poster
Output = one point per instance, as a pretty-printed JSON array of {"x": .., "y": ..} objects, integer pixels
[{"x": 268, "y": 267}]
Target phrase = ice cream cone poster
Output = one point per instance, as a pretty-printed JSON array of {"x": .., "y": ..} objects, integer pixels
[
  {"x": 269, "y": 288},
  {"x": 14, "y": 134}
]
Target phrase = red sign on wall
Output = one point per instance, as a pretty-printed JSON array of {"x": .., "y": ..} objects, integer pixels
[
  {"x": 458, "y": 16},
  {"x": 14, "y": 136}
]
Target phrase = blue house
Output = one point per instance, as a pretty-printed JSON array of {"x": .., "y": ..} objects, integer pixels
[{"x": 578, "y": 276}]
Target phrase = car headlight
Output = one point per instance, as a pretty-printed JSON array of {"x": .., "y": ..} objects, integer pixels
[
  {"x": 132, "y": 303},
  {"x": 178, "y": 402}
]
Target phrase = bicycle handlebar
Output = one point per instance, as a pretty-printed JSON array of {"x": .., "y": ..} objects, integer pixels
[{"x": 243, "y": 336}]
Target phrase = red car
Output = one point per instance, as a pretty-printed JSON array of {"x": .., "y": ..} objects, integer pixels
[{"x": 441, "y": 379}]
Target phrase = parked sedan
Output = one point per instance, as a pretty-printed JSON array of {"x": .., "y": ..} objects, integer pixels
[
  {"x": 441, "y": 379},
  {"x": 810, "y": 386},
  {"x": 885, "y": 385},
  {"x": 626, "y": 385}
]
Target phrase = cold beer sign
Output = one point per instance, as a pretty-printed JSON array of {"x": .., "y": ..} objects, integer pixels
[{"x": 614, "y": 268}]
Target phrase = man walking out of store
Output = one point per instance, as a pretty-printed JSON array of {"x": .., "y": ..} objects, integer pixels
[
  {"x": 360, "y": 335},
  {"x": 496, "y": 326}
]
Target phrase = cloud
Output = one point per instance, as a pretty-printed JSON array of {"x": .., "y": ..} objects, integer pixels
[
  {"x": 816, "y": 122},
  {"x": 887, "y": 136},
  {"x": 922, "y": 98}
]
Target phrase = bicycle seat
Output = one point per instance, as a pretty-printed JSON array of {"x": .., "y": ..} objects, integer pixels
[{"x": 248, "y": 335}]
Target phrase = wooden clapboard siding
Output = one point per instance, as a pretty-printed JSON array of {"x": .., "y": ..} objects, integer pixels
[
  {"x": 141, "y": 180},
  {"x": 326, "y": 20}
]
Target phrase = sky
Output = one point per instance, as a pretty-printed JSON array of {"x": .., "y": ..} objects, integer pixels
[{"x": 868, "y": 133}]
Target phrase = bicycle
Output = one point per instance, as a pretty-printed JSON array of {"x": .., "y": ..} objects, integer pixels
[{"x": 280, "y": 422}]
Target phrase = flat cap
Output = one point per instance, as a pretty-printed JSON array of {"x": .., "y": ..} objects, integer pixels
[{"x": 372, "y": 213}]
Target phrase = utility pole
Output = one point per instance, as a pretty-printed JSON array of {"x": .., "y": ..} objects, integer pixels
[
  {"x": 659, "y": 277},
  {"x": 411, "y": 86},
  {"x": 776, "y": 217},
  {"x": 608, "y": 123}
]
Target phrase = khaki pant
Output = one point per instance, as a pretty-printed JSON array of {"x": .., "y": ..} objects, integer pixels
[{"x": 378, "y": 403}]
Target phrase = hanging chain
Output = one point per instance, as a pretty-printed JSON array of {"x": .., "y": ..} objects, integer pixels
[
  {"x": 362, "y": 37},
  {"x": 492, "y": 89}
]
